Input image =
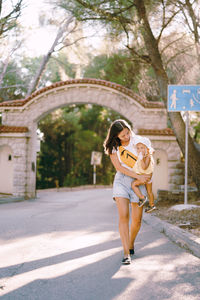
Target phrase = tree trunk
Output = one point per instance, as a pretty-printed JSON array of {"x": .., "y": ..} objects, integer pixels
[
  {"x": 177, "y": 122},
  {"x": 34, "y": 83}
]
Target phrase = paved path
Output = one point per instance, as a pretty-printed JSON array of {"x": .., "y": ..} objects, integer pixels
[{"x": 66, "y": 246}]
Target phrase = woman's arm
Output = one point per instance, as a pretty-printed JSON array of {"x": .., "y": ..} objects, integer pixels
[{"x": 116, "y": 163}]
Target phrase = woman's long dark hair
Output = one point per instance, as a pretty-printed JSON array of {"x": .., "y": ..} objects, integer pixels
[{"x": 112, "y": 141}]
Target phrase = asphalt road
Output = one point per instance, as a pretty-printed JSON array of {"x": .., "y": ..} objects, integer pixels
[{"x": 66, "y": 246}]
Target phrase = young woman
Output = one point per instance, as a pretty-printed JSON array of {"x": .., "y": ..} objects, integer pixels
[{"x": 119, "y": 144}]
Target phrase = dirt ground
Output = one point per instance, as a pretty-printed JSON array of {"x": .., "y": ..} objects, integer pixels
[{"x": 187, "y": 219}]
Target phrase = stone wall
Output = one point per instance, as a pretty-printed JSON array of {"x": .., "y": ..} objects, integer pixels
[
  {"x": 18, "y": 143},
  {"x": 177, "y": 195}
]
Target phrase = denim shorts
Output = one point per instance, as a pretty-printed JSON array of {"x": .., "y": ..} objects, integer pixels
[{"x": 122, "y": 188}]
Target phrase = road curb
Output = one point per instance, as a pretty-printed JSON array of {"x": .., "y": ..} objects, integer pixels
[
  {"x": 10, "y": 199},
  {"x": 179, "y": 236},
  {"x": 75, "y": 188}
]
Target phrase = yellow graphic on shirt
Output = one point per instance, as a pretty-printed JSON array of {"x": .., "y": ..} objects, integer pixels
[{"x": 127, "y": 157}]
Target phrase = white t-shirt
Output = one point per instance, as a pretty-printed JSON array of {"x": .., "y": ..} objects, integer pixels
[{"x": 130, "y": 147}]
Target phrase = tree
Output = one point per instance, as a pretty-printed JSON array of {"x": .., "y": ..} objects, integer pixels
[
  {"x": 8, "y": 19},
  {"x": 18, "y": 74},
  {"x": 192, "y": 20},
  {"x": 133, "y": 18},
  {"x": 7, "y": 60},
  {"x": 9, "y": 15},
  {"x": 63, "y": 31},
  {"x": 68, "y": 33},
  {"x": 119, "y": 68},
  {"x": 70, "y": 136},
  {"x": 13, "y": 85}
]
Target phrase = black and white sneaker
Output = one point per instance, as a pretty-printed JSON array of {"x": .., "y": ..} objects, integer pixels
[
  {"x": 126, "y": 260},
  {"x": 132, "y": 251},
  {"x": 142, "y": 201},
  {"x": 150, "y": 208}
]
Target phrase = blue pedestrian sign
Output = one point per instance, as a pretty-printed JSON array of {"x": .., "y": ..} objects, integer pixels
[{"x": 183, "y": 97}]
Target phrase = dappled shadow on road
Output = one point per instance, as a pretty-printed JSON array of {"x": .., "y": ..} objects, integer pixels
[
  {"x": 168, "y": 271},
  {"x": 106, "y": 279},
  {"x": 157, "y": 272},
  {"x": 24, "y": 267},
  {"x": 92, "y": 281},
  {"x": 178, "y": 283},
  {"x": 160, "y": 269}
]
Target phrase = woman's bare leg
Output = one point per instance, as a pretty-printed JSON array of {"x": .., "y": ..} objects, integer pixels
[
  {"x": 136, "y": 220},
  {"x": 123, "y": 211}
]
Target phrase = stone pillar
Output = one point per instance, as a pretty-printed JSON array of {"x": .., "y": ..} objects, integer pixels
[
  {"x": 18, "y": 143},
  {"x": 31, "y": 163}
]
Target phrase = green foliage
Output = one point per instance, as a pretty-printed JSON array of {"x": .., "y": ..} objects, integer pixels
[
  {"x": 13, "y": 86},
  {"x": 118, "y": 68},
  {"x": 52, "y": 71},
  {"x": 70, "y": 136},
  {"x": 19, "y": 74},
  {"x": 98, "y": 9},
  {"x": 60, "y": 61}
]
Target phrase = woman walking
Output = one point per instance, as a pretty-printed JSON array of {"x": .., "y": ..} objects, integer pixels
[{"x": 119, "y": 145}]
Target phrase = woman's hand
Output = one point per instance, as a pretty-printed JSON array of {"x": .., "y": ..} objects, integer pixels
[
  {"x": 144, "y": 178},
  {"x": 116, "y": 163}
]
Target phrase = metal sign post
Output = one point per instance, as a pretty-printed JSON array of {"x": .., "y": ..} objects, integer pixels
[
  {"x": 184, "y": 98},
  {"x": 94, "y": 174},
  {"x": 186, "y": 159},
  {"x": 95, "y": 160}
]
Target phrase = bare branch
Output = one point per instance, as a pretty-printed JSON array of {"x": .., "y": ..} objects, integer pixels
[
  {"x": 193, "y": 19},
  {"x": 0, "y": 6},
  {"x": 11, "y": 86},
  {"x": 108, "y": 15},
  {"x": 171, "y": 43},
  {"x": 165, "y": 24},
  {"x": 178, "y": 53},
  {"x": 9, "y": 21},
  {"x": 72, "y": 43},
  {"x": 143, "y": 58},
  {"x": 7, "y": 60},
  {"x": 195, "y": 24},
  {"x": 60, "y": 39}
]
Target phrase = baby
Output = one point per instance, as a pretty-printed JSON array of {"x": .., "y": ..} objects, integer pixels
[{"x": 144, "y": 165}]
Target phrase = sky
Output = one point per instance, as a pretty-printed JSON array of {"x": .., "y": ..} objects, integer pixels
[{"x": 38, "y": 38}]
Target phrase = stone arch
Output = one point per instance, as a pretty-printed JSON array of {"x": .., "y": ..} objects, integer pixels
[
  {"x": 93, "y": 91},
  {"x": 23, "y": 116}
]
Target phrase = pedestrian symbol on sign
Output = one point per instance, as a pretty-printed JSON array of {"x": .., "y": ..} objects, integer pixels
[{"x": 174, "y": 99}]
